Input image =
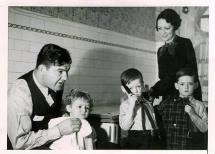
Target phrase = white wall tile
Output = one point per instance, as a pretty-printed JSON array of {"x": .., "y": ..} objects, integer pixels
[
  {"x": 12, "y": 77},
  {"x": 14, "y": 55},
  {"x": 35, "y": 47},
  {"x": 37, "y": 23},
  {"x": 21, "y": 45},
  {"x": 73, "y": 70},
  {"x": 11, "y": 18},
  {"x": 84, "y": 45},
  {"x": 21, "y": 67},
  {"x": 29, "y": 36},
  {"x": 29, "y": 57},
  {"x": 21, "y": 19},
  {"x": 11, "y": 44},
  {"x": 51, "y": 26},
  {"x": 15, "y": 33}
]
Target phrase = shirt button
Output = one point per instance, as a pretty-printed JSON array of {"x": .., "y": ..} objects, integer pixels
[{"x": 174, "y": 125}]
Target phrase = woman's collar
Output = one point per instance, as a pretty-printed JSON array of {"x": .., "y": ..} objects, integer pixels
[{"x": 172, "y": 41}]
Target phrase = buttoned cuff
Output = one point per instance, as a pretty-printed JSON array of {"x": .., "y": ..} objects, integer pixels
[{"x": 53, "y": 133}]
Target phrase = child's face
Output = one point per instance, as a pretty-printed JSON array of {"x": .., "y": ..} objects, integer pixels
[
  {"x": 136, "y": 87},
  {"x": 185, "y": 86},
  {"x": 80, "y": 108}
]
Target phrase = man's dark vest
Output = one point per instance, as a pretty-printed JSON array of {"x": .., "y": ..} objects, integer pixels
[{"x": 41, "y": 107}]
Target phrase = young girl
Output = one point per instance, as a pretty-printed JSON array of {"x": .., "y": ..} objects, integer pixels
[{"x": 78, "y": 105}]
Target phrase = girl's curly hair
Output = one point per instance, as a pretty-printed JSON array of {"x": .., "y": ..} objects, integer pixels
[{"x": 75, "y": 94}]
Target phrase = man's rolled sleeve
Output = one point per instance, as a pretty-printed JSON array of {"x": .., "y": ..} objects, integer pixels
[{"x": 53, "y": 133}]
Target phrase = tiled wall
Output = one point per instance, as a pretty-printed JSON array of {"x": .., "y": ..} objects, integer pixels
[{"x": 99, "y": 56}]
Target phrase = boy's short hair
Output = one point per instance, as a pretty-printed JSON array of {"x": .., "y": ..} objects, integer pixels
[
  {"x": 131, "y": 74},
  {"x": 186, "y": 72},
  {"x": 75, "y": 94},
  {"x": 53, "y": 54}
]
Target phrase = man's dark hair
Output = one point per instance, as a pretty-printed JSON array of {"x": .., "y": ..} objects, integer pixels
[
  {"x": 53, "y": 54},
  {"x": 171, "y": 17},
  {"x": 131, "y": 74},
  {"x": 186, "y": 72}
]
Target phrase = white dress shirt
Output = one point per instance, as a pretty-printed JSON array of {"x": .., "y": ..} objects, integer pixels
[{"x": 136, "y": 121}]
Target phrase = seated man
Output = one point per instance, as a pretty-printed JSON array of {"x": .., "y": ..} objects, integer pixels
[{"x": 35, "y": 98}]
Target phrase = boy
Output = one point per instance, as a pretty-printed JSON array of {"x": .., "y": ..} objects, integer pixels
[
  {"x": 136, "y": 113},
  {"x": 184, "y": 117}
]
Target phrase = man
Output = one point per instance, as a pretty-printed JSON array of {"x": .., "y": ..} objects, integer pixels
[{"x": 35, "y": 98}]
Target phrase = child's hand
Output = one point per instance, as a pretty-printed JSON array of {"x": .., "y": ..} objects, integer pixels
[
  {"x": 188, "y": 109},
  {"x": 132, "y": 99},
  {"x": 157, "y": 101}
]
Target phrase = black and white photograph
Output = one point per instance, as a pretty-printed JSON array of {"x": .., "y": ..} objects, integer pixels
[{"x": 108, "y": 78}]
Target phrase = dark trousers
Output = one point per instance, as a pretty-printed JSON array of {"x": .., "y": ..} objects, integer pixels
[
  {"x": 9, "y": 145},
  {"x": 198, "y": 141},
  {"x": 142, "y": 140},
  {"x": 161, "y": 128}
]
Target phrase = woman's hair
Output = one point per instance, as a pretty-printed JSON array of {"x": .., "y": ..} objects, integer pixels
[
  {"x": 75, "y": 94},
  {"x": 171, "y": 17}
]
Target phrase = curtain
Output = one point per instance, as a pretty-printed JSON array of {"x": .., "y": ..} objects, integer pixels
[{"x": 191, "y": 28}]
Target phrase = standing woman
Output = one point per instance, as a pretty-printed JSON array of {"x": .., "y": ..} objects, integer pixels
[{"x": 176, "y": 53}]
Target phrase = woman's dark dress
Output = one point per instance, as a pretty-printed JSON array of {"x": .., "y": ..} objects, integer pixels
[{"x": 172, "y": 57}]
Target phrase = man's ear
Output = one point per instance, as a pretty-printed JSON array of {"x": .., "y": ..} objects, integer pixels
[
  {"x": 68, "y": 108},
  {"x": 41, "y": 68},
  {"x": 176, "y": 85},
  {"x": 123, "y": 89}
]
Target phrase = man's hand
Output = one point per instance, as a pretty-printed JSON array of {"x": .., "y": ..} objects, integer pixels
[{"x": 69, "y": 126}]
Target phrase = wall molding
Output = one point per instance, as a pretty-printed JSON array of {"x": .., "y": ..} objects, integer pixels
[{"x": 76, "y": 37}]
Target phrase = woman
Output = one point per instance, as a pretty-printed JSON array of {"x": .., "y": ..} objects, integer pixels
[{"x": 178, "y": 52}]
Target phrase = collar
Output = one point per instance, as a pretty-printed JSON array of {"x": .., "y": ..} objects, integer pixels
[
  {"x": 43, "y": 89},
  {"x": 172, "y": 41},
  {"x": 187, "y": 100}
]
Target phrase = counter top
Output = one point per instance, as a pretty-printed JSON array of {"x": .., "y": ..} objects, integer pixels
[{"x": 106, "y": 113}]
